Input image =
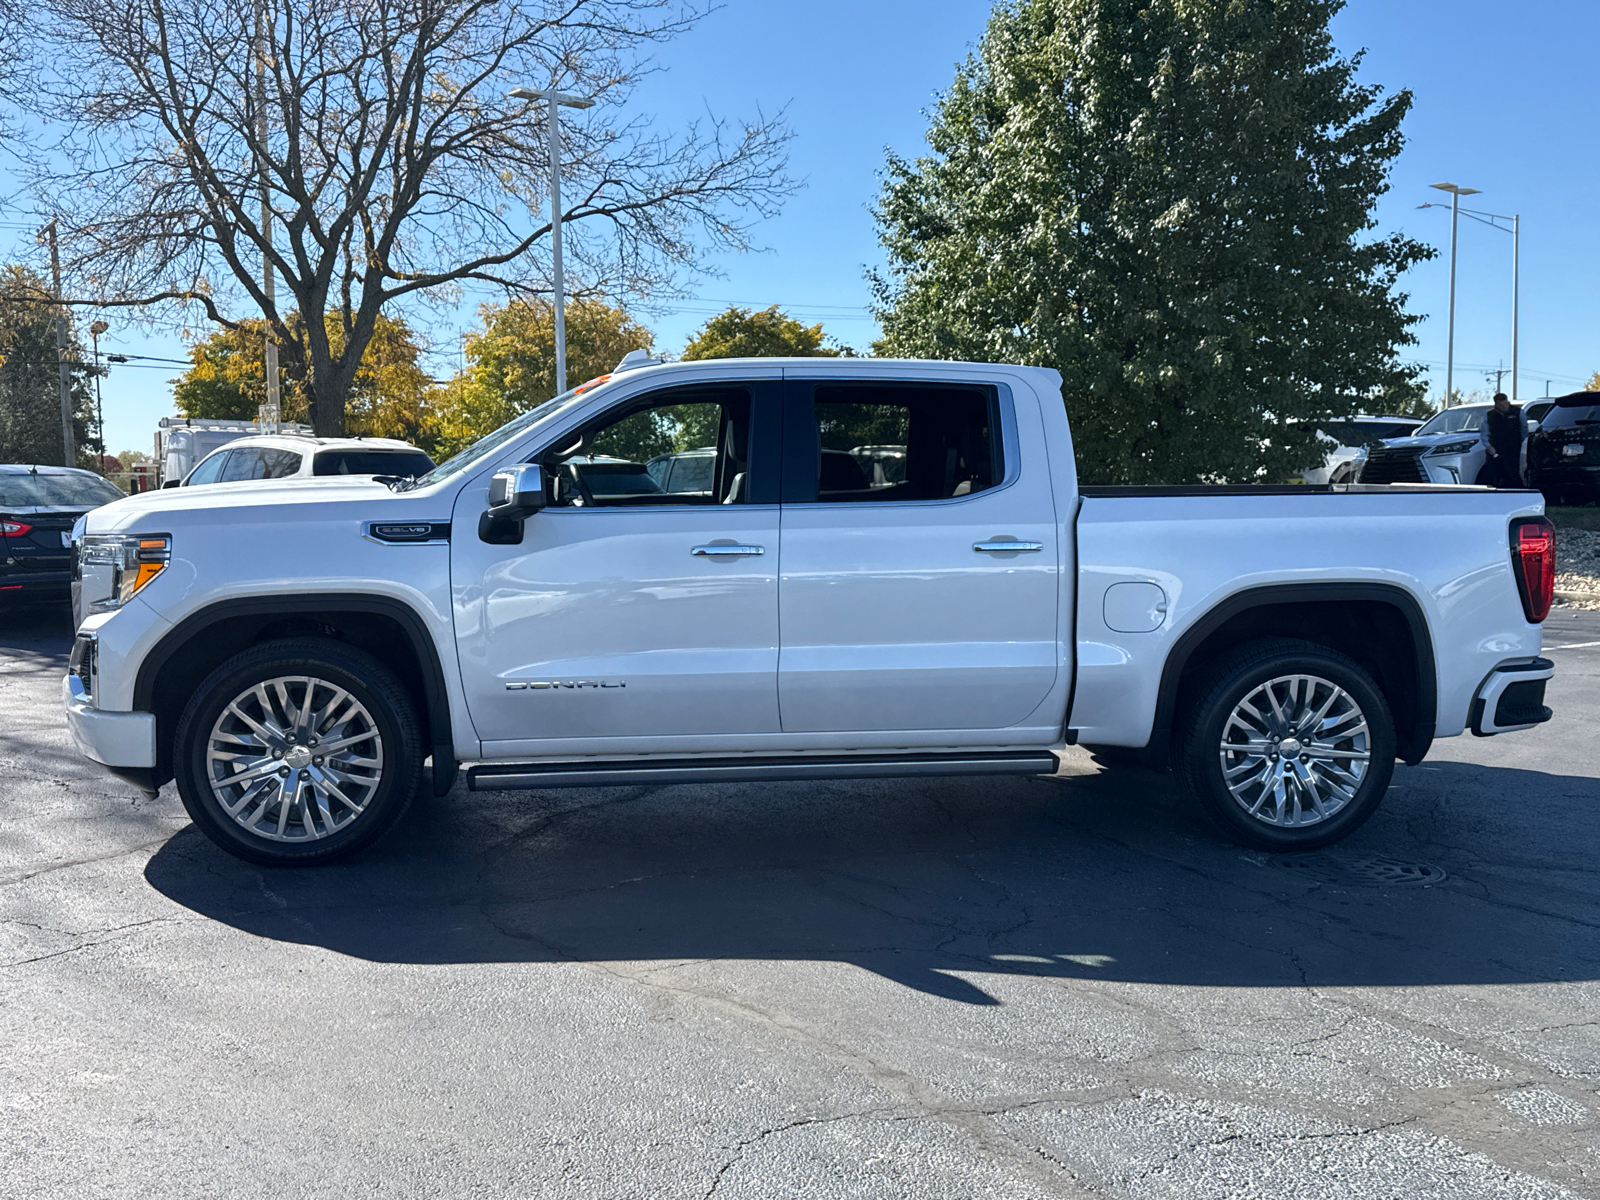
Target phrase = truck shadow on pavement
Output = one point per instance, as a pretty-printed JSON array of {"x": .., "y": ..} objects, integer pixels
[{"x": 1468, "y": 874}]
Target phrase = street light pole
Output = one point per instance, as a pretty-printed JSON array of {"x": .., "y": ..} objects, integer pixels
[
  {"x": 557, "y": 101},
  {"x": 1515, "y": 230},
  {"x": 1450, "y": 353},
  {"x": 1516, "y": 283}
]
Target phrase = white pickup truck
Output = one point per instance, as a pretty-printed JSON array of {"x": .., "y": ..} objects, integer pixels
[{"x": 887, "y": 568}]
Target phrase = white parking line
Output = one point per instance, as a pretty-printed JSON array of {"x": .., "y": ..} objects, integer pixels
[{"x": 1574, "y": 646}]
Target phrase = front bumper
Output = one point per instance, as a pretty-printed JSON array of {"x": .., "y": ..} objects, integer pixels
[
  {"x": 1512, "y": 698},
  {"x": 121, "y": 741}
]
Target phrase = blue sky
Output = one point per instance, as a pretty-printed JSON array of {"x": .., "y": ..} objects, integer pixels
[{"x": 1506, "y": 101}]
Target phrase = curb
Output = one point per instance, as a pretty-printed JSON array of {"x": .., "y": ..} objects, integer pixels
[{"x": 1580, "y": 597}]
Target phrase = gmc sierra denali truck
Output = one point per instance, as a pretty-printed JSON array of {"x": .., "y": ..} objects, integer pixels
[{"x": 883, "y": 569}]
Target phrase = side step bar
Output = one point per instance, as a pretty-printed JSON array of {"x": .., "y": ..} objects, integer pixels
[{"x": 508, "y": 776}]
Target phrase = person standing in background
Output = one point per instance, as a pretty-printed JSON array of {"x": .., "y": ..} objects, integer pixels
[{"x": 1502, "y": 468}]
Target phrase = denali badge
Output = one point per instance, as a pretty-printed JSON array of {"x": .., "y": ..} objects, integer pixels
[{"x": 538, "y": 685}]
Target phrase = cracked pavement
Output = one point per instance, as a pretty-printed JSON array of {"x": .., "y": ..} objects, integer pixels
[{"x": 960, "y": 988}]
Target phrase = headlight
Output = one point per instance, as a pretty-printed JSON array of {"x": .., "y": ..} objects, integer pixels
[
  {"x": 1456, "y": 447},
  {"x": 115, "y": 567}
]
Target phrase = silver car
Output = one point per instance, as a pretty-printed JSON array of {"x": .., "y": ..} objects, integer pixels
[{"x": 1450, "y": 448}]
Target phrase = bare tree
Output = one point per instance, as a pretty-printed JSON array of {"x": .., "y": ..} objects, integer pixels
[{"x": 394, "y": 167}]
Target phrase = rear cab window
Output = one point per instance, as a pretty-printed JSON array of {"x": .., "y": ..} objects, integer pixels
[{"x": 259, "y": 462}]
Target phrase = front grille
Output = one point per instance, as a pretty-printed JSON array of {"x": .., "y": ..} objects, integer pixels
[{"x": 1394, "y": 466}]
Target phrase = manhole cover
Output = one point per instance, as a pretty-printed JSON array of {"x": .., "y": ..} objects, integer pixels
[{"x": 1370, "y": 871}]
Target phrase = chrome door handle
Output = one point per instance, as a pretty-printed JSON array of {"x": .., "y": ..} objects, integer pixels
[
  {"x": 1007, "y": 547},
  {"x": 726, "y": 548}
]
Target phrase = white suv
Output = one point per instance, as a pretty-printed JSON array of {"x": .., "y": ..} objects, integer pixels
[{"x": 294, "y": 456}]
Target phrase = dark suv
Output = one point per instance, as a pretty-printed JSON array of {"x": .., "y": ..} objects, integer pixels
[{"x": 1564, "y": 452}]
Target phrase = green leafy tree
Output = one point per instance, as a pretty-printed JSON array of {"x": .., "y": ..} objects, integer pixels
[
  {"x": 1170, "y": 202},
  {"x": 1408, "y": 398},
  {"x": 30, "y": 381},
  {"x": 512, "y": 363},
  {"x": 770, "y": 333},
  {"x": 1594, "y": 383},
  {"x": 387, "y": 398}
]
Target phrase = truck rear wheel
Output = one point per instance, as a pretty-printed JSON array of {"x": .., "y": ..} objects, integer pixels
[
  {"x": 297, "y": 752},
  {"x": 1289, "y": 746}
]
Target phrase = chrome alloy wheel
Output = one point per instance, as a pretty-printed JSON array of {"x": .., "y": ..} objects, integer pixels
[
  {"x": 1295, "y": 750},
  {"x": 294, "y": 759}
]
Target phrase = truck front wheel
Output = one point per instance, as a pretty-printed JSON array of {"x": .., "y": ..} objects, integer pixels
[
  {"x": 297, "y": 751},
  {"x": 1289, "y": 745}
]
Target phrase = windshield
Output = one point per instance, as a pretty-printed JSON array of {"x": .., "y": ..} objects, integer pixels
[
  {"x": 29, "y": 491},
  {"x": 1455, "y": 420},
  {"x": 491, "y": 442}
]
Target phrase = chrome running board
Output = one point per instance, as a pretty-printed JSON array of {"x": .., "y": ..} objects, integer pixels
[{"x": 507, "y": 776}]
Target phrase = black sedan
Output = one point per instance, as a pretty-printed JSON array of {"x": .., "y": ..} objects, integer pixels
[
  {"x": 38, "y": 506},
  {"x": 1564, "y": 452}
]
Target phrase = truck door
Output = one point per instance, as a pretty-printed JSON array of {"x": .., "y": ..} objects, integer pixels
[
  {"x": 919, "y": 581},
  {"x": 627, "y": 611}
]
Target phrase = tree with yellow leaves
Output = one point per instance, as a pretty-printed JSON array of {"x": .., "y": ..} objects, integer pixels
[
  {"x": 387, "y": 398},
  {"x": 512, "y": 363}
]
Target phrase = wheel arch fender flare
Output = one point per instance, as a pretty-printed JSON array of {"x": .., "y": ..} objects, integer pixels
[
  {"x": 1413, "y": 741},
  {"x": 317, "y": 606}
]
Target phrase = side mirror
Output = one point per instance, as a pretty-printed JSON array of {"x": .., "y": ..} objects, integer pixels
[
  {"x": 171, "y": 483},
  {"x": 516, "y": 494}
]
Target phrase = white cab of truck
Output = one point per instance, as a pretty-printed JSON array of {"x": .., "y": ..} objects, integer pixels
[{"x": 890, "y": 569}]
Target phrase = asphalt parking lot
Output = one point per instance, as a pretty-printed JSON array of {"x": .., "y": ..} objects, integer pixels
[{"x": 964, "y": 988}]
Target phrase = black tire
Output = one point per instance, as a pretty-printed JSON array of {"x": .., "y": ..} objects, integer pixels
[
  {"x": 384, "y": 730},
  {"x": 1287, "y": 823}
]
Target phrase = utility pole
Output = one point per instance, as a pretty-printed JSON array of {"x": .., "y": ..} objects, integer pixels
[
  {"x": 1499, "y": 373},
  {"x": 272, "y": 411},
  {"x": 69, "y": 445},
  {"x": 557, "y": 100},
  {"x": 95, "y": 331}
]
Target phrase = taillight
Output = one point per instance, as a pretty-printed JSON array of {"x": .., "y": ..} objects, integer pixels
[
  {"x": 15, "y": 529},
  {"x": 1533, "y": 562}
]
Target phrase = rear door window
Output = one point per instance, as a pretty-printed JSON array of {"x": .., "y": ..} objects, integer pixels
[
  {"x": 882, "y": 443},
  {"x": 279, "y": 464},
  {"x": 244, "y": 463}
]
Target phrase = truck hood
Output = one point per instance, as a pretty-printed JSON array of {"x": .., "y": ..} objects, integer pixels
[{"x": 227, "y": 502}]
